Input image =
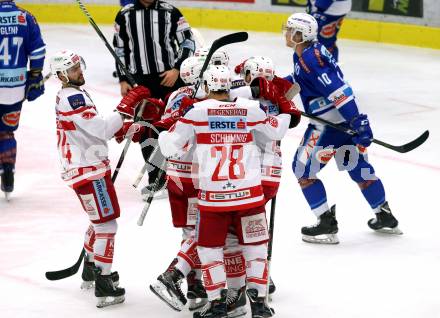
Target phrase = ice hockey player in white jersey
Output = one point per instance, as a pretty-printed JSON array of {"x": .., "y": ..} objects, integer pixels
[
  {"x": 230, "y": 184},
  {"x": 182, "y": 194},
  {"x": 82, "y": 144}
]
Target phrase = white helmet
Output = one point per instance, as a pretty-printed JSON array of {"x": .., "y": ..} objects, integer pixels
[
  {"x": 217, "y": 78},
  {"x": 190, "y": 70},
  {"x": 303, "y": 23},
  {"x": 64, "y": 60},
  {"x": 220, "y": 57},
  {"x": 258, "y": 66}
]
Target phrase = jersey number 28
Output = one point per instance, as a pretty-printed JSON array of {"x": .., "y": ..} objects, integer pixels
[{"x": 231, "y": 155}]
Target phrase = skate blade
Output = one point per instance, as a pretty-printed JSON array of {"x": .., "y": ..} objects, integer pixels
[
  {"x": 161, "y": 291},
  {"x": 109, "y": 301},
  {"x": 195, "y": 304},
  {"x": 7, "y": 196},
  {"x": 389, "y": 230},
  {"x": 321, "y": 239},
  {"x": 237, "y": 312},
  {"x": 87, "y": 285}
]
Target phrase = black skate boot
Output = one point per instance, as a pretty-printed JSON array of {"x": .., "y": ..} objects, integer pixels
[
  {"x": 7, "y": 179},
  {"x": 168, "y": 289},
  {"x": 323, "y": 232},
  {"x": 272, "y": 287},
  {"x": 196, "y": 292},
  {"x": 214, "y": 309},
  {"x": 385, "y": 222},
  {"x": 236, "y": 302},
  {"x": 106, "y": 292},
  {"x": 259, "y": 307},
  {"x": 88, "y": 276}
]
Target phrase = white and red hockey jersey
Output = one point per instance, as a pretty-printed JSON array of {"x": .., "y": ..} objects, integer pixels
[
  {"x": 183, "y": 166},
  {"x": 82, "y": 136},
  {"x": 229, "y": 161},
  {"x": 271, "y": 161}
]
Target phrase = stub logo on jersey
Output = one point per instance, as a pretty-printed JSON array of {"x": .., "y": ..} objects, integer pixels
[
  {"x": 227, "y": 123},
  {"x": 76, "y": 101},
  {"x": 225, "y": 196},
  {"x": 227, "y": 112},
  {"x": 104, "y": 202},
  {"x": 254, "y": 228}
]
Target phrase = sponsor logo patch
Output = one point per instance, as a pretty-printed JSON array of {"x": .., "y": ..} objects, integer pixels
[
  {"x": 11, "y": 119},
  {"x": 254, "y": 228},
  {"x": 325, "y": 155},
  {"x": 223, "y": 123},
  {"x": 76, "y": 101},
  {"x": 104, "y": 202}
]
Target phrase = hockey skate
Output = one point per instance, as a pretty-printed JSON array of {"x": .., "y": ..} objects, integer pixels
[
  {"x": 106, "y": 292},
  {"x": 214, "y": 309},
  {"x": 385, "y": 222},
  {"x": 324, "y": 231},
  {"x": 236, "y": 302},
  {"x": 168, "y": 289},
  {"x": 7, "y": 180},
  {"x": 88, "y": 276},
  {"x": 196, "y": 294},
  {"x": 259, "y": 307}
]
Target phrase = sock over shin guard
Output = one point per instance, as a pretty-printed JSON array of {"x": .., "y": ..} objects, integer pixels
[
  {"x": 213, "y": 270},
  {"x": 104, "y": 245}
]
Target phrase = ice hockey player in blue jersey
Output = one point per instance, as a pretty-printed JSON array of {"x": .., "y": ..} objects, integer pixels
[
  {"x": 20, "y": 42},
  {"x": 325, "y": 94},
  {"x": 329, "y": 14}
]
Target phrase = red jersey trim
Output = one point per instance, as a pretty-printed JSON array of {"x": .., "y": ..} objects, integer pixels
[
  {"x": 192, "y": 122},
  {"x": 76, "y": 111}
]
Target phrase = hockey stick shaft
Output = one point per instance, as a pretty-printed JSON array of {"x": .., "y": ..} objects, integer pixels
[
  {"x": 70, "y": 271},
  {"x": 402, "y": 148},
  {"x": 220, "y": 42},
  {"x": 273, "y": 203}
]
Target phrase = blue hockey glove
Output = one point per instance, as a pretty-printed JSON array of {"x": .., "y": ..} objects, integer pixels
[
  {"x": 361, "y": 126},
  {"x": 34, "y": 86}
]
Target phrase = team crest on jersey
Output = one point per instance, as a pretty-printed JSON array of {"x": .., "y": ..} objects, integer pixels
[
  {"x": 273, "y": 121},
  {"x": 76, "y": 101},
  {"x": 227, "y": 123},
  {"x": 11, "y": 119}
]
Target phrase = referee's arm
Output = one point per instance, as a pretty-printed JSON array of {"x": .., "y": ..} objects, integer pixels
[{"x": 184, "y": 37}]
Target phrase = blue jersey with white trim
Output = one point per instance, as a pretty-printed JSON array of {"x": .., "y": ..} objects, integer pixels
[
  {"x": 324, "y": 93},
  {"x": 20, "y": 41}
]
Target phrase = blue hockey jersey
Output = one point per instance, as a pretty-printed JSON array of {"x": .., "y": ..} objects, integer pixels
[
  {"x": 324, "y": 92},
  {"x": 329, "y": 7},
  {"x": 20, "y": 41}
]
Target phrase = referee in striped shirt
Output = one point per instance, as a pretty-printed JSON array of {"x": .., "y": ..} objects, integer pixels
[{"x": 152, "y": 39}]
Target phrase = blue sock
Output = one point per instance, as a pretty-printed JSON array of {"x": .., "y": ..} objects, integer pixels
[
  {"x": 375, "y": 194},
  {"x": 316, "y": 197}
]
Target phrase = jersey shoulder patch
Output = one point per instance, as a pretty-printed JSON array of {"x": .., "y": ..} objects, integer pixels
[{"x": 76, "y": 101}]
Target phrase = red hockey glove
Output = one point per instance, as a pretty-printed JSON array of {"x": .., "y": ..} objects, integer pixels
[
  {"x": 262, "y": 88},
  {"x": 129, "y": 130},
  {"x": 153, "y": 110},
  {"x": 130, "y": 101},
  {"x": 239, "y": 68},
  {"x": 165, "y": 124},
  {"x": 288, "y": 107}
]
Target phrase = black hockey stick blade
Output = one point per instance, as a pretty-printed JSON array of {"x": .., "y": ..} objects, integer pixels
[
  {"x": 224, "y": 40},
  {"x": 406, "y": 147},
  {"x": 64, "y": 273}
]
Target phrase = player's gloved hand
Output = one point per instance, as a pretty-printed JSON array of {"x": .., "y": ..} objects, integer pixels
[
  {"x": 186, "y": 104},
  {"x": 262, "y": 88},
  {"x": 34, "y": 85},
  {"x": 239, "y": 68},
  {"x": 129, "y": 130},
  {"x": 153, "y": 110},
  {"x": 361, "y": 125},
  {"x": 288, "y": 107},
  {"x": 164, "y": 124},
  {"x": 129, "y": 102}
]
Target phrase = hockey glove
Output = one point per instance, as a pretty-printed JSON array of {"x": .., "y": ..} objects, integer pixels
[
  {"x": 361, "y": 125},
  {"x": 288, "y": 107},
  {"x": 129, "y": 102},
  {"x": 34, "y": 85},
  {"x": 262, "y": 88},
  {"x": 129, "y": 130},
  {"x": 153, "y": 110},
  {"x": 239, "y": 67},
  {"x": 285, "y": 87}
]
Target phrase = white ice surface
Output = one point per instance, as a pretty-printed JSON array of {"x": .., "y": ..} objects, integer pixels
[{"x": 367, "y": 275}]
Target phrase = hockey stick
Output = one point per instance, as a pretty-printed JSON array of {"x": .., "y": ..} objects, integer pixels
[
  {"x": 220, "y": 42},
  {"x": 402, "y": 149},
  {"x": 64, "y": 273},
  {"x": 129, "y": 78}
]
